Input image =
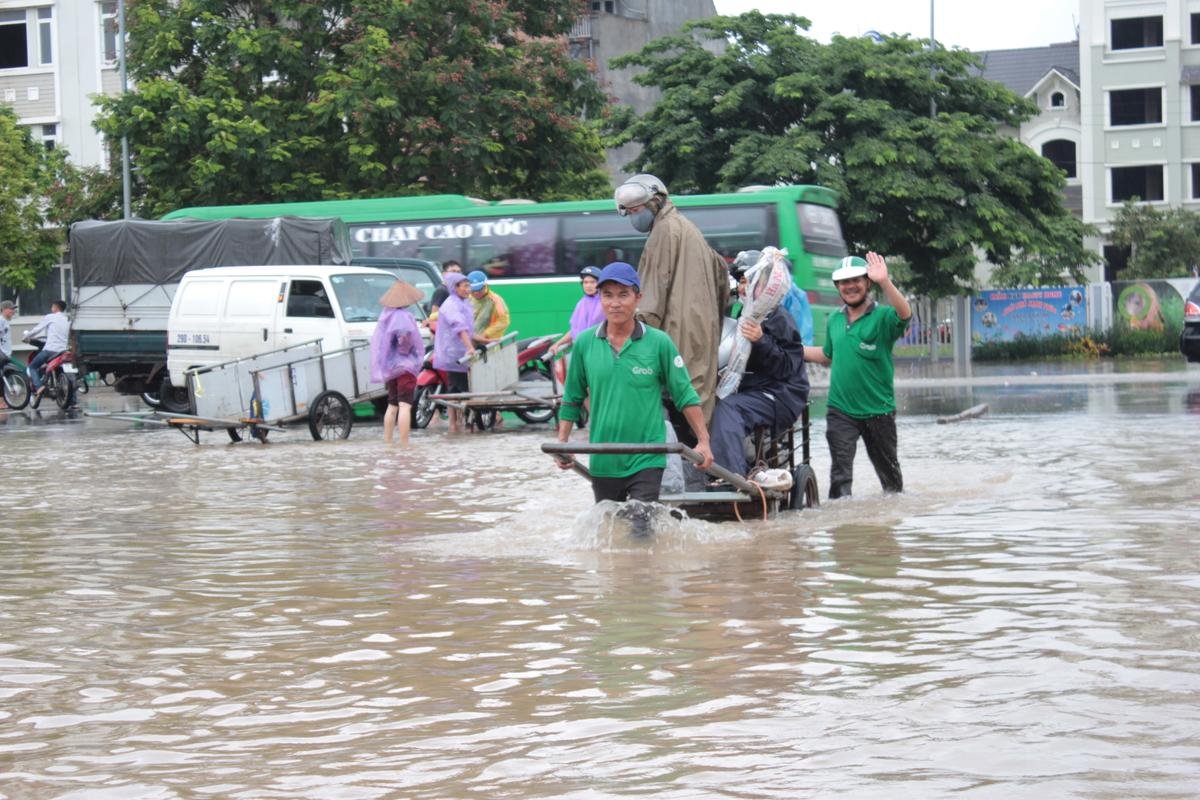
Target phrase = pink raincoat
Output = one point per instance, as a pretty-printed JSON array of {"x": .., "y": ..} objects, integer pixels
[
  {"x": 588, "y": 312},
  {"x": 396, "y": 346},
  {"x": 454, "y": 316}
]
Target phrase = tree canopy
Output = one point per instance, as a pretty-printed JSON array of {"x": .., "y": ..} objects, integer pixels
[
  {"x": 1162, "y": 244},
  {"x": 292, "y": 100},
  {"x": 27, "y": 248},
  {"x": 854, "y": 115}
]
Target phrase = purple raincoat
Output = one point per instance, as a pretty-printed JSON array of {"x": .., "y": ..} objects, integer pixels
[
  {"x": 396, "y": 346},
  {"x": 454, "y": 316},
  {"x": 588, "y": 312}
]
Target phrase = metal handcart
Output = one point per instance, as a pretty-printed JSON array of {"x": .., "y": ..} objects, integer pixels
[
  {"x": 271, "y": 390},
  {"x": 500, "y": 377},
  {"x": 737, "y": 497}
]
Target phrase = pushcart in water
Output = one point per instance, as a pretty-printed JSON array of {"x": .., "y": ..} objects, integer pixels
[
  {"x": 506, "y": 375},
  {"x": 736, "y": 497},
  {"x": 271, "y": 390}
]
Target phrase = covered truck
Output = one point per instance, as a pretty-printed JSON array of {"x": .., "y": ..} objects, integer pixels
[{"x": 125, "y": 274}]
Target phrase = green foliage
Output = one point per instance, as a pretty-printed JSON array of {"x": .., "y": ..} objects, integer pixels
[
  {"x": 77, "y": 193},
  {"x": 1120, "y": 340},
  {"x": 299, "y": 100},
  {"x": 778, "y": 107},
  {"x": 27, "y": 248},
  {"x": 1162, "y": 244}
]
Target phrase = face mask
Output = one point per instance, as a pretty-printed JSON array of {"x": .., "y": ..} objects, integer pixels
[{"x": 642, "y": 220}]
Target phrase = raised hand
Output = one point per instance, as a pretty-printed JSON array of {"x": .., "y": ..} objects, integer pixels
[{"x": 877, "y": 269}]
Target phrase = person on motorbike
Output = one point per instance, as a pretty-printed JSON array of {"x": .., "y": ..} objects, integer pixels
[
  {"x": 55, "y": 328},
  {"x": 587, "y": 311},
  {"x": 7, "y": 310}
]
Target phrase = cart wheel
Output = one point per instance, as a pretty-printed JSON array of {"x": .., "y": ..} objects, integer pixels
[
  {"x": 259, "y": 433},
  {"x": 330, "y": 416},
  {"x": 234, "y": 436},
  {"x": 486, "y": 420},
  {"x": 542, "y": 380},
  {"x": 805, "y": 493}
]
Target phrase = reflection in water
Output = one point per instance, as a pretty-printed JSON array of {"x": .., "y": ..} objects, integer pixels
[{"x": 316, "y": 620}]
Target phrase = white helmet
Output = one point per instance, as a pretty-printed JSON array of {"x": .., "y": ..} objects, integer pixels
[{"x": 637, "y": 191}]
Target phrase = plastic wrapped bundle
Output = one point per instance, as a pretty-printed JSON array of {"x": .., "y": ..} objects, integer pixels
[{"x": 768, "y": 282}]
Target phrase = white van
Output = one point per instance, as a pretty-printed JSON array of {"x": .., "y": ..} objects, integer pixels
[{"x": 225, "y": 313}]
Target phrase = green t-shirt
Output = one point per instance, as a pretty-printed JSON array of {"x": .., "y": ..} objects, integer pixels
[
  {"x": 861, "y": 375},
  {"x": 626, "y": 391}
]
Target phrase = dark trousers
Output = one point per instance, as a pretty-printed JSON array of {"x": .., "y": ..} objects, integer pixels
[
  {"x": 735, "y": 418},
  {"x": 643, "y": 485},
  {"x": 879, "y": 436}
]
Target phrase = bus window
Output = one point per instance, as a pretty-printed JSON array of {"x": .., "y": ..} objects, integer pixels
[
  {"x": 731, "y": 229},
  {"x": 821, "y": 229},
  {"x": 513, "y": 246},
  {"x": 599, "y": 239}
]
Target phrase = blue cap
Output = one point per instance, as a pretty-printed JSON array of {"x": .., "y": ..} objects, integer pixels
[
  {"x": 589, "y": 272},
  {"x": 478, "y": 280},
  {"x": 622, "y": 273}
]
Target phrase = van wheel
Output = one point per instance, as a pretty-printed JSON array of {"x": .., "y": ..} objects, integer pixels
[
  {"x": 172, "y": 398},
  {"x": 330, "y": 416}
]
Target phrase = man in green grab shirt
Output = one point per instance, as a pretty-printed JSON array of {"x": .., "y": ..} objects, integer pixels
[
  {"x": 858, "y": 345},
  {"x": 624, "y": 366}
]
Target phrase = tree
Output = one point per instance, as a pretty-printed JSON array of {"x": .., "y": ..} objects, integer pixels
[
  {"x": 299, "y": 100},
  {"x": 76, "y": 193},
  {"x": 1162, "y": 244},
  {"x": 854, "y": 115},
  {"x": 27, "y": 247}
]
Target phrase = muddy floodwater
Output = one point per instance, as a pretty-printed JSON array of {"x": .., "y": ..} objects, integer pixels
[{"x": 342, "y": 620}]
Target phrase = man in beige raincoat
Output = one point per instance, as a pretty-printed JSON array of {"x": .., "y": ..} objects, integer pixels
[{"x": 685, "y": 283}]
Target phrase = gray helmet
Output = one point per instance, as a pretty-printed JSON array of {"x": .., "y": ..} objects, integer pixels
[
  {"x": 589, "y": 272},
  {"x": 744, "y": 261},
  {"x": 638, "y": 190}
]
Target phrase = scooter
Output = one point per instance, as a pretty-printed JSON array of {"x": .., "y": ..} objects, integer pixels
[
  {"x": 15, "y": 384},
  {"x": 60, "y": 377}
]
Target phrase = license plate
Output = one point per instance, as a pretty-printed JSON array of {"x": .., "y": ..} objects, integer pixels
[{"x": 69, "y": 368}]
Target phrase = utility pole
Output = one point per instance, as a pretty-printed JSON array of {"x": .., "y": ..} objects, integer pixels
[{"x": 124, "y": 89}]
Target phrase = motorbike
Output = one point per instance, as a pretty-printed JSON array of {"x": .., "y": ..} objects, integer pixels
[
  {"x": 15, "y": 384},
  {"x": 60, "y": 377},
  {"x": 532, "y": 365}
]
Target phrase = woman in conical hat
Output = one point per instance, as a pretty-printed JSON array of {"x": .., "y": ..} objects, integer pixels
[{"x": 397, "y": 352}]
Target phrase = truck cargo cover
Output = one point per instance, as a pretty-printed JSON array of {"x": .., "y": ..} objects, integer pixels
[{"x": 150, "y": 251}]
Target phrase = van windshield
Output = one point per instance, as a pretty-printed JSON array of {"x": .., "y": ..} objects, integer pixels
[{"x": 358, "y": 295}]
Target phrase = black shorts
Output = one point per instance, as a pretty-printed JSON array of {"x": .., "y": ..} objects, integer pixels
[
  {"x": 402, "y": 389},
  {"x": 458, "y": 382}
]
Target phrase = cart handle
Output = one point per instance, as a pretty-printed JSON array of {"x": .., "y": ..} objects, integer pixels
[{"x": 632, "y": 448}]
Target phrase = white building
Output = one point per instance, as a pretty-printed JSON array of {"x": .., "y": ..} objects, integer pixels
[
  {"x": 54, "y": 55},
  {"x": 1140, "y": 72}
]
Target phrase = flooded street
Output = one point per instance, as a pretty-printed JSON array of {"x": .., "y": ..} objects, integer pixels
[{"x": 343, "y": 620}]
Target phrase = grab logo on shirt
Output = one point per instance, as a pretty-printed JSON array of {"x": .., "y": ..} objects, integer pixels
[
  {"x": 641, "y": 370},
  {"x": 866, "y": 346},
  {"x": 679, "y": 361}
]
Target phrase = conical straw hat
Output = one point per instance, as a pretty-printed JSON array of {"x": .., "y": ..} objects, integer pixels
[{"x": 401, "y": 295}]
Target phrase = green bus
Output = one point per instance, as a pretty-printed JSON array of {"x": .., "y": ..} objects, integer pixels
[{"x": 533, "y": 251}]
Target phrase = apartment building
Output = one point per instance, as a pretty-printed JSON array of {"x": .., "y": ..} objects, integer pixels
[
  {"x": 1140, "y": 73},
  {"x": 54, "y": 56},
  {"x": 617, "y": 27}
]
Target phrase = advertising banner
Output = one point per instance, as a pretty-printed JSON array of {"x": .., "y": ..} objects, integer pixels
[
  {"x": 1151, "y": 305},
  {"x": 1001, "y": 315}
]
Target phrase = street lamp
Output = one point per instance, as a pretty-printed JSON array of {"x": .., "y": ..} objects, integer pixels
[{"x": 124, "y": 89}]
